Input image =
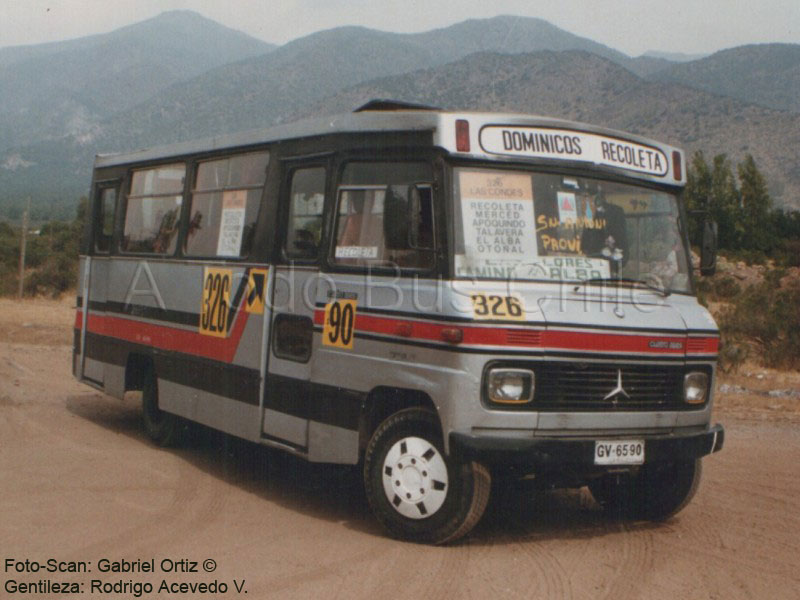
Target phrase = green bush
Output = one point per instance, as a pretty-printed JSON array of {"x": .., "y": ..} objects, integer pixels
[
  {"x": 51, "y": 256},
  {"x": 749, "y": 257},
  {"x": 55, "y": 276},
  {"x": 788, "y": 255},
  {"x": 766, "y": 319},
  {"x": 726, "y": 287},
  {"x": 8, "y": 280},
  {"x": 704, "y": 287}
]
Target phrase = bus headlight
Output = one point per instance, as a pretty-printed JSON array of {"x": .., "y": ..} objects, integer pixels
[
  {"x": 695, "y": 387},
  {"x": 510, "y": 386}
]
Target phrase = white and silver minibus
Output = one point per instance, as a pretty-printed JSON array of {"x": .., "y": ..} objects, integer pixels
[{"x": 437, "y": 297}]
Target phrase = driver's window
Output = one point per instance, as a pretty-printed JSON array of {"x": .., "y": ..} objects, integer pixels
[{"x": 384, "y": 216}]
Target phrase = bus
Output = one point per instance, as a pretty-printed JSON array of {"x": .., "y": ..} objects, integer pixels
[{"x": 438, "y": 298}]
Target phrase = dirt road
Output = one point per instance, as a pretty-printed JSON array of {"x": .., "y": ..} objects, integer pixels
[{"x": 79, "y": 482}]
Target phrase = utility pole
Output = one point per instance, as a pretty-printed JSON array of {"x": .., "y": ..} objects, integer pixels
[{"x": 22, "y": 245}]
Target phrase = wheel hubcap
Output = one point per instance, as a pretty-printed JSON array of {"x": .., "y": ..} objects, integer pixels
[{"x": 415, "y": 478}]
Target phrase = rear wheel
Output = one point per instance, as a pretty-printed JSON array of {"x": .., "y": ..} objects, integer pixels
[
  {"x": 656, "y": 492},
  {"x": 162, "y": 427},
  {"x": 415, "y": 491}
]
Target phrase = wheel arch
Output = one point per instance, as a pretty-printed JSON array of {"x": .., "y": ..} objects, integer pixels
[
  {"x": 382, "y": 402},
  {"x": 136, "y": 367}
]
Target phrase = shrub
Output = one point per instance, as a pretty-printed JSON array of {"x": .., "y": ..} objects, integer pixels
[
  {"x": 726, "y": 287},
  {"x": 766, "y": 319},
  {"x": 788, "y": 255},
  {"x": 704, "y": 288}
]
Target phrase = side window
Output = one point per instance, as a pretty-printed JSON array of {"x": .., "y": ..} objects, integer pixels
[
  {"x": 224, "y": 206},
  {"x": 306, "y": 203},
  {"x": 385, "y": 216},
  {"x": 152, "y": 214},
  {"x": 104, "y": 223}
]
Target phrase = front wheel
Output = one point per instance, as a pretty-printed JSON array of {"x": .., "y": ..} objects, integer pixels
[
  {"x": 415, "y": 491},
  {"x": 656, "y": 492}
]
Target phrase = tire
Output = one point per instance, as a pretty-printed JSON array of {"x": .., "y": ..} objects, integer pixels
[
  {"x": 657, "y": 492},
  {"x": 162, "y": 428},
  {"x": 415, "y": 491}
]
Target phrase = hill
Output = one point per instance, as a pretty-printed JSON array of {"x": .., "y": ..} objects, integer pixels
[
  {"x": 678, "y": 57},
  {"x": 188, "y": 87},
  {"x": 52, "y": 162},
  {"x": 508, "y": 35},
  {"x": 765, "y": 74},
  {"x": 264, "y": 89},
  {"x": 67, "y": 88},
  {"x": 585, "y": 87}
]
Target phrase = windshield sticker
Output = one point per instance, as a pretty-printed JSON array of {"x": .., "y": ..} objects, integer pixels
[
  {"x": 498, "y": 217},
  {"x": 231, "y": 224},
  {"x": 567, "y": 208},
  {"x": 563, "y": 268},
  {"x": 639, "y": 203},
  {"x": 538, "y": 142},
  {"x": 356, "y": 252}
]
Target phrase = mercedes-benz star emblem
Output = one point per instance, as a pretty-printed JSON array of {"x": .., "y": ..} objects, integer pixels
[{"x": 617, "y": 390}]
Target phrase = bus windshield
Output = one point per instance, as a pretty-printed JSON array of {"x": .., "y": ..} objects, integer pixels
[{"x": 518, "y": 225}]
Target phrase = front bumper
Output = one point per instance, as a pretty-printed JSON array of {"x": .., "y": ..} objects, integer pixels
[{"x": 549, "y": 451}]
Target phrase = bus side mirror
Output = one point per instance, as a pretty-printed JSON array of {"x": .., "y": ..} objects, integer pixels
[{"x": 708, "y": 249}]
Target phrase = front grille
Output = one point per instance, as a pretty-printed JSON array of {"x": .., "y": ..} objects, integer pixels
[{"x": 584, "y": 386}]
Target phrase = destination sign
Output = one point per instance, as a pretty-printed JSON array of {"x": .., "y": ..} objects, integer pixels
[{"x": 540, "y": 142}]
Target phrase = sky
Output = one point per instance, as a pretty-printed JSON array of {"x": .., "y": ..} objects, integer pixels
[{"x": 631, "y": 26}]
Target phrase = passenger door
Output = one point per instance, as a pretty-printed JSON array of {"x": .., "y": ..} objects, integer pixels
[
  {"x": 382, "y": 243},
  {"x": 94, "y": 283},
  {"x": 287, "y": 398}
]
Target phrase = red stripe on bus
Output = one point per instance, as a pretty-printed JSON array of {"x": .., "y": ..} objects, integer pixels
[
  {"x": 533, "y": 338},
  {"x": 224, "y": 349},
  {"x": 170, "y": 338},
  {"x": 575, "y": 340}
]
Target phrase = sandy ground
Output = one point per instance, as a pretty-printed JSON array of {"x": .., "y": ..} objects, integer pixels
[{"x": 80, "y": 482}]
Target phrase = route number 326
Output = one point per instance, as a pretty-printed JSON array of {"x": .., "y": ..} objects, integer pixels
[
  {"x": 491, "y": 306},
  {"x": 216, "y": 301}
]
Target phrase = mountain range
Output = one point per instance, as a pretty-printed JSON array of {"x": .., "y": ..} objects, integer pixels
[{"x": 181, "y": 76}]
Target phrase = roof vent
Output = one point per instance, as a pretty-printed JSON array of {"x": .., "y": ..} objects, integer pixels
[{"x": 388, "y": 104}]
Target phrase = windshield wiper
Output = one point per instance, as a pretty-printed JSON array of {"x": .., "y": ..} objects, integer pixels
[{"x": 663, "y": 291}]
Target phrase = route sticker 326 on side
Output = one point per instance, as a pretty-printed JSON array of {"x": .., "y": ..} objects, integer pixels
[{"x": 216, "y": 300}]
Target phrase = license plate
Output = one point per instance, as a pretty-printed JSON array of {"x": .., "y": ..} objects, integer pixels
[{"x": 619, "y": 452}]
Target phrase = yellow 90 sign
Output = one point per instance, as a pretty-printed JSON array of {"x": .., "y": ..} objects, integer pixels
[
  {"x": 491, "y": 306},
  {"x": 216, "y": 301},
  {"x": 340, "y": 319}
]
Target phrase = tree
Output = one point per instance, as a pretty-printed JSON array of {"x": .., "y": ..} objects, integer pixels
[
  {"x": 697, "y": 194},
  {"x": 724, "y": 201},
  {"x": 753, "y": 227}
]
